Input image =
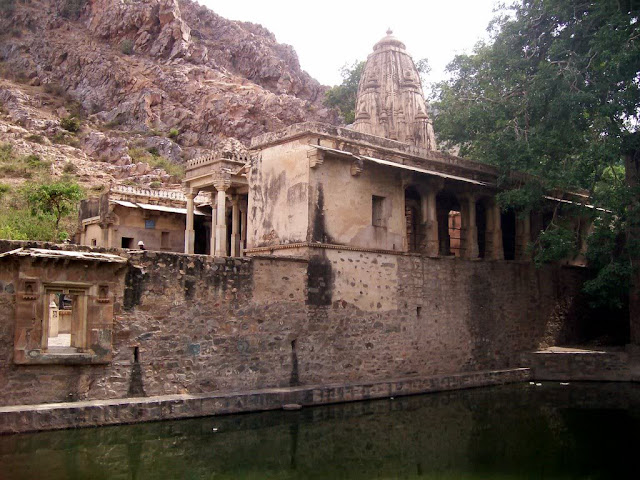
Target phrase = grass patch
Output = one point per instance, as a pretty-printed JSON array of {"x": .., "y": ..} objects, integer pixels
[
  {"x": 156, "y": 161},
  {"x": 20, "y": 166},
  {"x": 35, "y": 138},
  {"x": 64, "y": 138}
]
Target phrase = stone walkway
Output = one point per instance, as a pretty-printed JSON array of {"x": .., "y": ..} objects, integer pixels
[{"x": 93, "y": 413}]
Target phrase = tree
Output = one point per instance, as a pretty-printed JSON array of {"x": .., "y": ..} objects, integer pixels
[
  {"x": 343, "y": 96},
  {"x": 56, "y": 198},
  {"x": 556, "y": 93}
]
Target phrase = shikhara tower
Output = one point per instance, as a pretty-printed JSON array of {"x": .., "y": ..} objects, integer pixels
[{"x": 390, "y": 101}]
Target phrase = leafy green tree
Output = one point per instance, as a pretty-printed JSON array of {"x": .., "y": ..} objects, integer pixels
[
  {"x": 556, "y": 93},
  {"x": 343, "y": 96},
  {"x": 58, "y": 199}
]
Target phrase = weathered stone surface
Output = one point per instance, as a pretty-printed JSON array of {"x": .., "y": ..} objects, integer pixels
[
  {"x": 25, "y": 418},
  {"x": 390, "y": 101},
  {"x": 189, "y": 69},
  {"x": 202, "y": 325}
]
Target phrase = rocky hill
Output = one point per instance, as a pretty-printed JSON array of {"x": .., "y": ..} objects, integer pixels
[{"x": 148, "y": 80}]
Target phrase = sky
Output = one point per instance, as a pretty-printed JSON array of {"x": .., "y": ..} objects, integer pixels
[{"x": 327, "y": 34}]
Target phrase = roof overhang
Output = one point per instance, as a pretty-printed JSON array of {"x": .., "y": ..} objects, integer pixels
[{"x": 387, "y": 163}]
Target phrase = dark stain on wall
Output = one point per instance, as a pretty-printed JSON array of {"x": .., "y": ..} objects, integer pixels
[
  {"x": 134, "y": 285},
  {"x": 318, "y": 226},
  {"x": 319, "y": 281}
]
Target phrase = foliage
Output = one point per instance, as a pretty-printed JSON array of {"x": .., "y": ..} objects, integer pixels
[
  {"x": 58, "y": 198},
  {"x": 70, "y": 124},
  {"x": 343, "y": 96},
  {"x": 7, "y": 7},
  {"x": 173, "y": 134},
  {"x": 35, "y": 138},
  {"x": 556, "y": 94},
  {"x": 155, "y": 160},
  {"x": 155, "y": 184},
  {"x": 126, "y": 46},
  {"x": 4, "y": 189},
  {"x": 72, "y": 9},
  {"x": 18, "y": 221},
  {"x": 20, "y": 166},
  {"x": 69, "y": 167}
]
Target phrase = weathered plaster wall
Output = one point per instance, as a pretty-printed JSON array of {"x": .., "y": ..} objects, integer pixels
[
  {"x": 342, "y": 205},
  {"x": 207, "y": 324},
  {"x": 279, "y": 195},
  {"x": 131, "y": 224}
]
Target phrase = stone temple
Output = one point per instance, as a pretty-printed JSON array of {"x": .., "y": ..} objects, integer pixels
[
  {"x": 390, "y": 102},
  {"x": 322, "y": 265}
]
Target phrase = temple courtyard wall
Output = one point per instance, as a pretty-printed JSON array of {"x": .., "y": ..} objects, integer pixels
[{"x": 190, "y": 324}]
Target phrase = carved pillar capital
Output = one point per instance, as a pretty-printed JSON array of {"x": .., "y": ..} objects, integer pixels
[{"x": 222, "y": 182}]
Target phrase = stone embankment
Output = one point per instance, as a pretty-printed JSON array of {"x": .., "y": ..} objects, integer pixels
[{"x": 53, "y": 416}]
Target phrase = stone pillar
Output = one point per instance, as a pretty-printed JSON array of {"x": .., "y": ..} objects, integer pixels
[
  {"x": 235, "y": 227},
  {"x": 221, "y": 224},
  {"x": 429, "y": 211},
  {"x": 243, "y": 226},
  {"x": 494, "y": 249},
  {"x": 523, "y": 235},
  {"x": 189, "y": 233},
  {"x": 468, "y": 228},
  {"x": 214, "y": 213},
  {"x": 53, "y": 319}
]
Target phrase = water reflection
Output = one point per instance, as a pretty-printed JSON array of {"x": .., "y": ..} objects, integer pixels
[{"x": 518, "y": 431}]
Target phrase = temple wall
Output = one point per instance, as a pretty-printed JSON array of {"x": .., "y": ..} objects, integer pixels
[
  {"x": 131, "y": 223},
  {"x": 343, "y": 205},
  {"x": 279, "y": 196},
  {"x": 205, "y": 324}
]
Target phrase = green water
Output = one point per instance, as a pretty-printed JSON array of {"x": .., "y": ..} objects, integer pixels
[{"x": 585, "y": 431}]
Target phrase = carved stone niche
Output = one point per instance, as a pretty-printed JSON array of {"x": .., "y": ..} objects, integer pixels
[
  {"x": 103, "y": 294},
  {"x": 29, "y": 289}
]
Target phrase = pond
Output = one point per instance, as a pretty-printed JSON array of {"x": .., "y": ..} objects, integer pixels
[{"x": 551, "y": 431}]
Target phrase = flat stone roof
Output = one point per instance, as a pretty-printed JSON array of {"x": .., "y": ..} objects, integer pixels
[{"x": 393, "y": 147}]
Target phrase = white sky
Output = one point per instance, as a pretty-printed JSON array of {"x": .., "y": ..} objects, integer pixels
[{"x": 326, "y": 34}]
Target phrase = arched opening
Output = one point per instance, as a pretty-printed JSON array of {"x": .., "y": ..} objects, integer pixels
[{"x": 413, "y": 219}]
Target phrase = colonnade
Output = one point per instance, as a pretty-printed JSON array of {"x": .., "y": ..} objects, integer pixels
[
  {"x": 219, "y": 244},
  {"x": 433, "y": 211}
]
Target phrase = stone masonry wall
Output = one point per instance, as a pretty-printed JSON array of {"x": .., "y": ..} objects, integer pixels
[{"x": 204, "y": 324}]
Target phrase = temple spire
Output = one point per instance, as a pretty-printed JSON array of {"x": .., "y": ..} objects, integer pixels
[{"x": 390, "y": 101}]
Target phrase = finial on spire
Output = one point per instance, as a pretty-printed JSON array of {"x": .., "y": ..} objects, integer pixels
[{"x": 389, "y": 31}]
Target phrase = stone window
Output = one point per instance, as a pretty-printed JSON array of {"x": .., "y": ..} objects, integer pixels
[
  {"x": 94, "y": 242},
  {"x": 150, "y": 224},
  {"x": 127, "y": 242},
  {"x": 64, "y": 305},
  {"x": 65, "y": 319},
  {"x": 377, "y": 211}
]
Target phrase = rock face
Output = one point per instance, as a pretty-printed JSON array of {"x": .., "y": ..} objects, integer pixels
[
  {"x": 162, "y": 66},
  {"x": 390, "y": 101}
]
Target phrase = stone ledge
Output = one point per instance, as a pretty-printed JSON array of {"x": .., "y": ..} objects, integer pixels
[{"x": 93, "y": 413}]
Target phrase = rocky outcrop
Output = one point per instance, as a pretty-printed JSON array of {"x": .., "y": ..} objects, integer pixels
[{"x": 160, "y": 66}]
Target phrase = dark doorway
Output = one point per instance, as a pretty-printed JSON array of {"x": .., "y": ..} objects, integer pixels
[
  {"x": 481, "y": 224},
  {"x": 126, "y": 242},
  {"x": 508, "y": 220},
  {"x": 412, "y": 218}
]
